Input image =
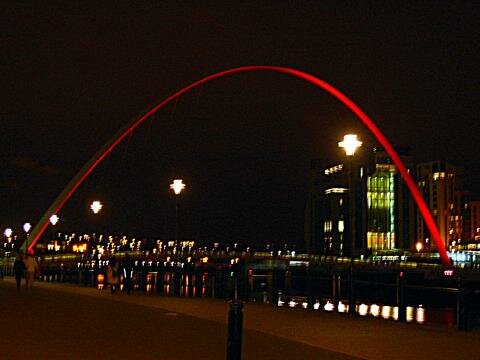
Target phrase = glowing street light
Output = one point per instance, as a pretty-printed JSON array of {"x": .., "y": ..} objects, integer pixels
[
  {"x": 350, "y": 144},
  {"x": 419, "y": 246},
  {"x": 177, "y": 186},
  {"x": 26, "y": 227},
  {"x": 54, "y": 219},
  {"x": 8, "y": 232},
  {"x": 96, "y": 206}
]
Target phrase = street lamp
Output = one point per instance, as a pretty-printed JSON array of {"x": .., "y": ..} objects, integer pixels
[
  {"x": 177, "y": 186},
  {"x": 96, "y": 206},
  {"x": 350, "y": 144},
  {"x": 8, "y": 232},
  {"x": 26, "y": 227},
  {"x": 53, "y": 220}
]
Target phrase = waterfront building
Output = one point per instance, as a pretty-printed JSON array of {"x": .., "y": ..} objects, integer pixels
[
  {"x": 384, "y": 212},
  {"x": 438, "y": 182},
  {"x": 390, "y": 210}
]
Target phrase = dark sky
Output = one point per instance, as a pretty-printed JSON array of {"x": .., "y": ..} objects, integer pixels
[{"x": 72, "y": 75}]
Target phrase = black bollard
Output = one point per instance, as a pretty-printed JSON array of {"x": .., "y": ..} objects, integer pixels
[
  {"x": 461, "y": 306},
  {"x": 352, "y": 302},
  {"x": 402, "y": 309},
  {"x": 235, "y": 329}
]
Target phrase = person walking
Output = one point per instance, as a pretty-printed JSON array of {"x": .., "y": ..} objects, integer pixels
[
  {"x": 127, "y": 271},
  {"x": 112, "y": 275},
  {"x": 31, "y": 267},
  {"x": 18, "y": 270}
]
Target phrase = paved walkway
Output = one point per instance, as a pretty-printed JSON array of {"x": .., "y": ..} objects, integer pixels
[{"x": 269, "y": 332}]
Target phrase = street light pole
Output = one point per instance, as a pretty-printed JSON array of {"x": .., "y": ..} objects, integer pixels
[
  {"x": 350, "y": 144},
  {"x": 177, "y": 186},
  {"x": 26, "y": 227}
]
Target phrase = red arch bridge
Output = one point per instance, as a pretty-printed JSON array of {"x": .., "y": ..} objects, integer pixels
[{"x": 134, "y": 123}]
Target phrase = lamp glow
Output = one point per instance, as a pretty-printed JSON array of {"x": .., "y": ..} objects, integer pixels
[
  {"x": 350, "y": 144},
  {"x": 54, "y": 219},
  {"x": 177, "y": 186},
  {"x": 96, "y": 206},
  {"x": 419, "y": 246},
  {"x": 27, "y": 226},
  {"x": 8, "y": 232}
]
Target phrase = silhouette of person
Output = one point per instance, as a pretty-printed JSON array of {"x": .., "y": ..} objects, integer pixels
[
  {"x": 127, "y": 270},
  {"x": 31, "y": 267},
  {"x": 18, "y": 270},
  {"x": 112, "y": 275}
]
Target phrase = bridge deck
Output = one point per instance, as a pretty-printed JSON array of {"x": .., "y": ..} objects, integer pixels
[{"x": 67, "y": 321}]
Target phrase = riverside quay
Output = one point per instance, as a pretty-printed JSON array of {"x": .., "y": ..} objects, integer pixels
[{"x": 387, "y": 288}]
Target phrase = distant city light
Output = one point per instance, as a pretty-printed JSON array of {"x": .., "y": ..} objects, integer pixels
[
  {"x": 177, "y": 186},
  {"x": 350, "y": 144}
]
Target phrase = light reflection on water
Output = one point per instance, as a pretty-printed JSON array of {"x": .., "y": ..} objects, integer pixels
[{"x": 418, "y": 314}]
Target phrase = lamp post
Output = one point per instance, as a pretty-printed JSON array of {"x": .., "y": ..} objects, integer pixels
[
  {"x": 177, "y": 186},
  {"x": 26, "y": 227},
  {"x": 8, "y": 233},
  {"x": 96, "y": 206},
  {"x": 350, "y": 144},
  {"x": 53, "y": 220}
]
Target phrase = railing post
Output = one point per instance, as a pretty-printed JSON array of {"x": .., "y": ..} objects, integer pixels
[
  {"x": 461, "y": 306},
  {"x": 235, "y": 329},
  {"x": 402, "y": 310},
  {"x": 351, "y": 293}
]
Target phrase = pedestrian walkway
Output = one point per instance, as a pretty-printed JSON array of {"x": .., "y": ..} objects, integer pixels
[{"x": 332, "y": 334}]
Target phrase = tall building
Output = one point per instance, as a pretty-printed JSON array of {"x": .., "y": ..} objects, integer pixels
[
  {"x": 460, "y": 218},
  {"x": 327, "y": 210},
  {"x": 438, "y": 181}
]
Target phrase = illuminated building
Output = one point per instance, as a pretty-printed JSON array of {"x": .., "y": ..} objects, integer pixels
[
  {"x": 460, "y": 218},
  {"x": 327, "y": 214},
  {"x": 390, "y": 211},
  {"x": 438, "y": 181},
  {"x": 384, "y": 210}
]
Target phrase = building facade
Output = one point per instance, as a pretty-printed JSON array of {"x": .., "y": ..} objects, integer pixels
[
  {"x": 360, "y": 207},
  {"x": 438, "y": 182}
]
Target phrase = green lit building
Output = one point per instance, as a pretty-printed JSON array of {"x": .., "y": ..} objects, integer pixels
[{"x": 390, "y": 209}]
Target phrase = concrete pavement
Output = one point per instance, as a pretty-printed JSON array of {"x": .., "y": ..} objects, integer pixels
[{"x": 178, "y": 328}]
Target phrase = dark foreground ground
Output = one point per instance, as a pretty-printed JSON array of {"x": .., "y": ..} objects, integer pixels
[{"x": 58, "y": 321}]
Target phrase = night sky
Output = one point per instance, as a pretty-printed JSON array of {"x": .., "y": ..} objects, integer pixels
[{"x": 72, "y": 75}]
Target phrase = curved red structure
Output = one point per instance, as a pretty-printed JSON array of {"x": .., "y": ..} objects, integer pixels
[{"x": 131, "y": 126}]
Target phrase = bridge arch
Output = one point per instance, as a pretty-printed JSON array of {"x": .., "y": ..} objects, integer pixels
[{"x": 60, "y": 201}]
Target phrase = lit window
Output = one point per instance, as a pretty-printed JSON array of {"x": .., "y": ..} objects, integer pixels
[
  {"x": 341, "y": 226},
  {"x": 327, "y": 226}
]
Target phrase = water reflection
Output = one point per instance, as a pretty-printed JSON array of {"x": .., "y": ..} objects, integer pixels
[{"x": 418, "y": 314}]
